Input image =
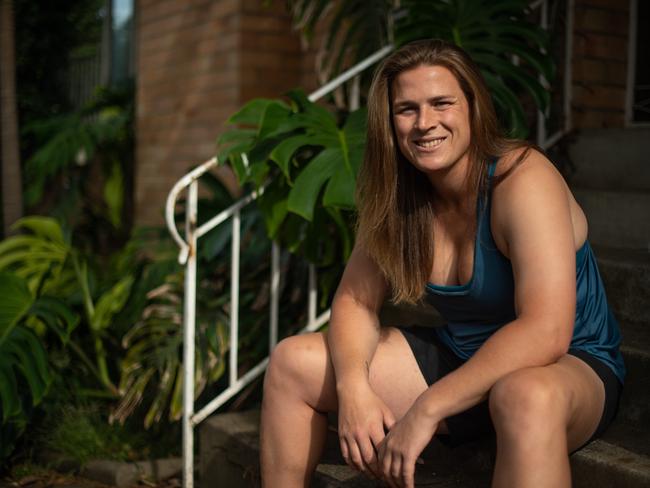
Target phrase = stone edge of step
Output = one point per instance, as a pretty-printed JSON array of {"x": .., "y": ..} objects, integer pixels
[{"x": 618, "y": 461}]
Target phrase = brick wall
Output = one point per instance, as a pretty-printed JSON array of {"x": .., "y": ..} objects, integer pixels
[
  {"x": 600, "y": 63},
  {"x": 198, "y": 62}
]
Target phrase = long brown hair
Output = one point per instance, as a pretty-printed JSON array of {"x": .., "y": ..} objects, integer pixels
[{"x": 394, "y": 200}]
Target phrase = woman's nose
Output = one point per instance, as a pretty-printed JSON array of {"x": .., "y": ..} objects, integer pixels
[{"x": 427, "y": 119}]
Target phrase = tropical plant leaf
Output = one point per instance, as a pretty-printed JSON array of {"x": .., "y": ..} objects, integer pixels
[
  {"x": 30, "y": 359},
  {"x": 110, "y": 303},
  {"x": 273, "y": 205},
  {"x": 56, "y": 315},
  {"x": 40, "y": 255},
  {"x": 22, "y": 356},
  {"x": 9, "y": 398},
  {"x": 70, "y": 140},
  {"x": 45, "y": 227},
  {"x": 154, "y": 352},
  {"x": 340, "y": 190},
  {"x": 303, "y": 195},
  {"x": 283, "y": 153},
  {"x": 15, "y": 300}
]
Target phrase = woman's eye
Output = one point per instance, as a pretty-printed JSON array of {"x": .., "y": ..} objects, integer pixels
[{"x": 405, "y": 110}]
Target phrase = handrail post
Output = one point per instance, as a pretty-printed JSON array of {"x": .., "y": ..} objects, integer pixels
[
  {"x": 313, "y": 295},
  {"x": 234, "y": 295},
  {"x": 189, "y": 321},
  {"x": 275, "y": 295}
]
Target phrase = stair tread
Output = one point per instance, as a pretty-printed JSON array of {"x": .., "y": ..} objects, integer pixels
[
  {"x": 629, "y": 437},
  {"x": 603, "y": 454},
  {"x": 621, "y": 455}
]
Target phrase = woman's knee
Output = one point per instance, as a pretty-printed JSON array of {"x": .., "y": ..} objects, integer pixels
[
  {"x": 528, "y": 401},
  {"x": 294, "y": 360}
]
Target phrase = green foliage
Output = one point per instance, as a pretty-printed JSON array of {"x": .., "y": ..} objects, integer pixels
[
  {"x": 40, "y": 256},
  {"x": 25, "y": 374},
  {"x": 83, "y": 151},
  {"x": 57, "y": 276},
  {"x": 154, "y": 355},
  {"x": 71, "y": 140},
  {"x": 48, "y": 288},
  {"x": 20, "y": 349},
  {"x": 310, "y": 163},
  {"x": 82, "y": 433}
]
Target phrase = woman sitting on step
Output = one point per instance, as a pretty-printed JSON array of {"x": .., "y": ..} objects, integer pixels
[{"x": 486, "y": 230}]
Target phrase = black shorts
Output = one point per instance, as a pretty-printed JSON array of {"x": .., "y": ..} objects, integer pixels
[{"x": 436, "y": 360}]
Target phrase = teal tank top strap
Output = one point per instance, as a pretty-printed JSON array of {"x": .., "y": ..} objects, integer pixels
[{"x": 492, "y": 166}]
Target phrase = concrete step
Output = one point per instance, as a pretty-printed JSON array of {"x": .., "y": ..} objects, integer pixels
[
  {"x": 229, "y": 450},
  {"x": 618, "y": 219},
  {"x": 604, "y": 464},
  {"x": 611, "y": 159},
  {"x": 626, "y": 275}
]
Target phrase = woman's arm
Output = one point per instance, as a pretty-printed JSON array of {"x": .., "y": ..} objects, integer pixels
[
  {"x": 352, "y": 337},
  {"x": 354, "y": 327}
]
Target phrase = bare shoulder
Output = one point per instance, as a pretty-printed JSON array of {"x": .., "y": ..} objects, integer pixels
[
  {"x": 522, "y": 171},
  {"x": 528, "y": 190},
  {"x": 523, "y": 163}
]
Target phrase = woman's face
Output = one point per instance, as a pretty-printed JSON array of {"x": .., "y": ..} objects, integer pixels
[{"x": 431, "y": 118}]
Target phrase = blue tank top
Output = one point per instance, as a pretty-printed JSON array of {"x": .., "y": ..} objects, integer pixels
[{"x": 475, "y": 310}]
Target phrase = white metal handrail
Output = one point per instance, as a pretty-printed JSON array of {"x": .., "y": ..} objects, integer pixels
[{"x": 187, "y": 256}]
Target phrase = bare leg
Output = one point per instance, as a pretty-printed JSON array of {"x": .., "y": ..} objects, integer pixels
[
  {"x": 300, "y": 388},
  {"x": 540, "y": 415}
]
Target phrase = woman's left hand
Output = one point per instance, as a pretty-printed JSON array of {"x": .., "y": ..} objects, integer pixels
[{"x": 399, "y": 451}]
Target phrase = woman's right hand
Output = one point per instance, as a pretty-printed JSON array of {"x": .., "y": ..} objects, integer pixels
[{"x": 364, "y": 420}]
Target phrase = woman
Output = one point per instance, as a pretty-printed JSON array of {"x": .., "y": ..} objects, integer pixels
[{"x": 486, "y": 229}]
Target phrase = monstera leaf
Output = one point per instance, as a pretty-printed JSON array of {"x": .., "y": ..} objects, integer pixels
[
  {"x": 40, "y": 256},
  {"x": 308, "y": 161},
  {"x": 23, "y": 359}
]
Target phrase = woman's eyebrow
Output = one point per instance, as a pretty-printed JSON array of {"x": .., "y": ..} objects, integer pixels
[
  {"x": 404, "y": 103},
  {"x": 438, "y": 98}
]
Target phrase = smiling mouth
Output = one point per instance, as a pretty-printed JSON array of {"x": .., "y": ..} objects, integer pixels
[{"x": 429, "y": 143}]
